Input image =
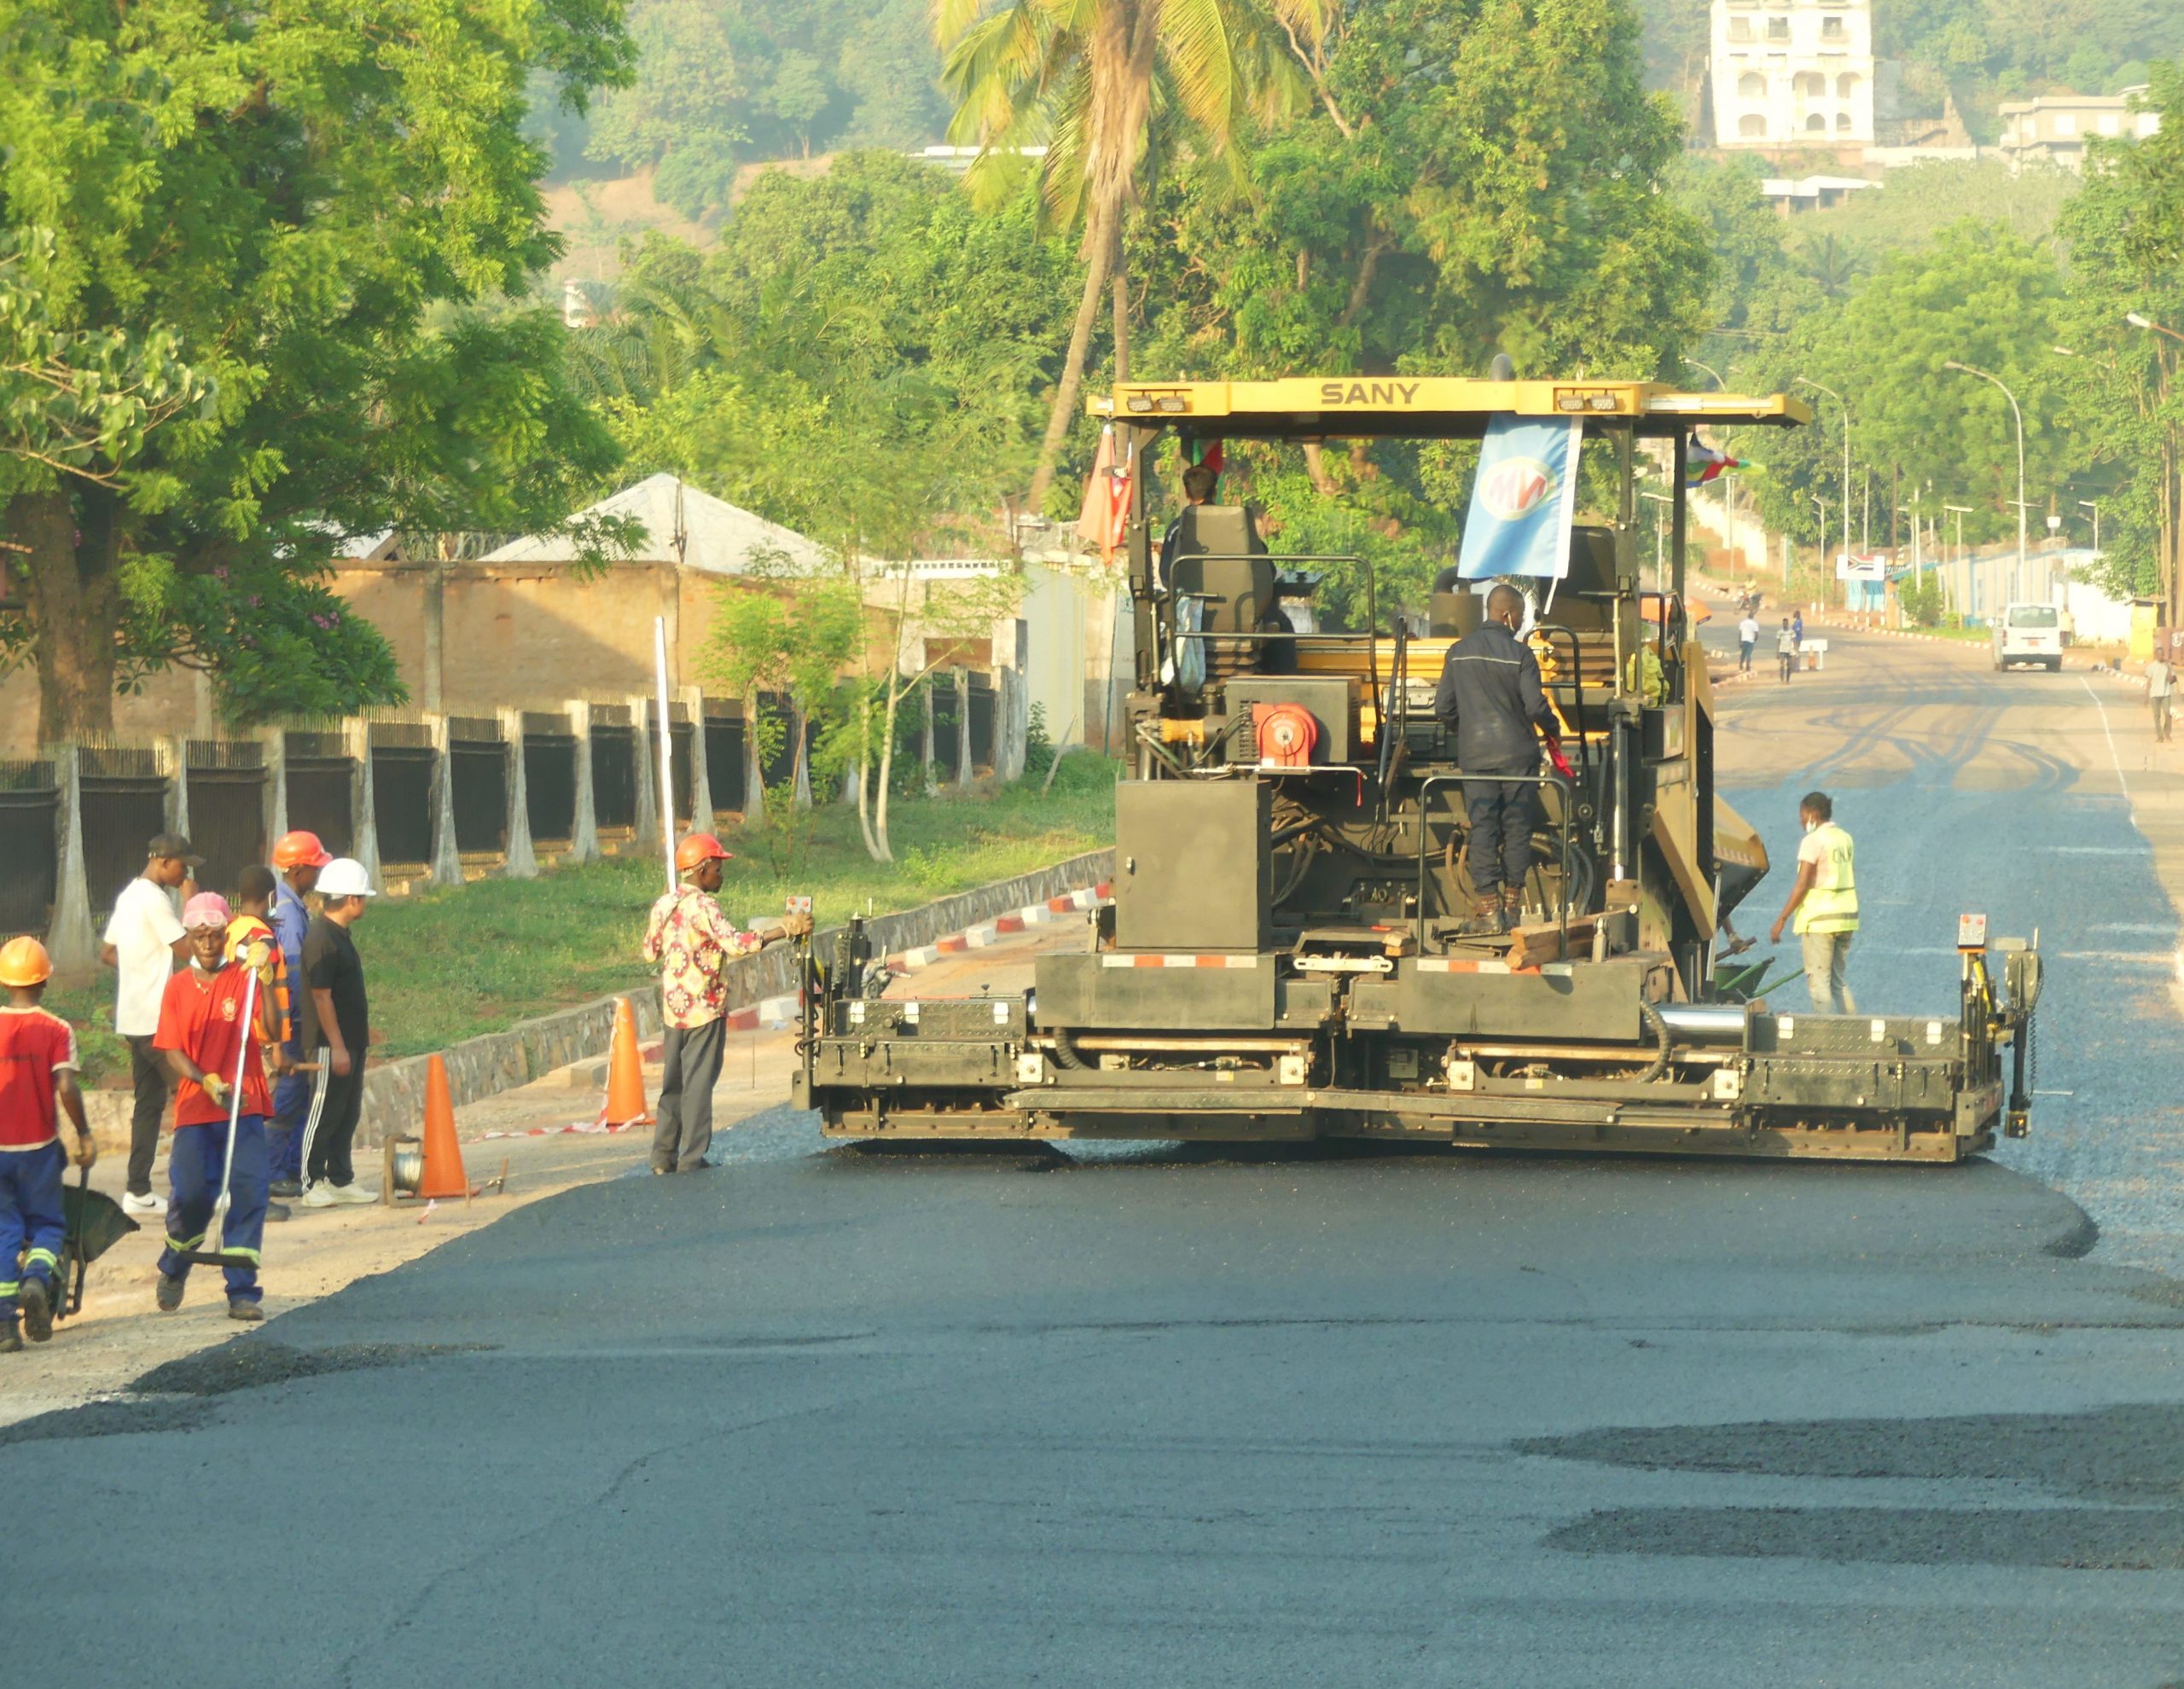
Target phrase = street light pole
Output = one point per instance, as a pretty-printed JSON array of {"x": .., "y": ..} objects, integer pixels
[
  {"x": 1970, "y": 591},
  {"x": 2093, "y": 505},
  {"x": 2017, "y": 581},
  {"x": 1843, "y": 405},
  {"x": 2172, "y": 567}
]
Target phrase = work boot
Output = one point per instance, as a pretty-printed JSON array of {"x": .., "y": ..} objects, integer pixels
[
  {"x": 10, "y": 1342},
  {"x": 169, "y": 1294},
  {"x": 37, "y": 1305},
  {"x": 1486, "y": 920},
  {"x": 1512, "y": 909},
  {"x": 285, "y": 1188},
  {"x": 249, "y": 1312}
]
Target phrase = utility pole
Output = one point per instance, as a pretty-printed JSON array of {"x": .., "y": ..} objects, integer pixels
[
  {"x": 1971, "y": 588},
  {"x": 2017, "y": 583},
  {"x": 2093, "y": 505}
]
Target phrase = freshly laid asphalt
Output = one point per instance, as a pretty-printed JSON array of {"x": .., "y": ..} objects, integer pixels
[{"x": 825, "y": 1416}]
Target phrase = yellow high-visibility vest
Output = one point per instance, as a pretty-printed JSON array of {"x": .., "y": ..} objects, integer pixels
[{"x": 1832, "y": 904}]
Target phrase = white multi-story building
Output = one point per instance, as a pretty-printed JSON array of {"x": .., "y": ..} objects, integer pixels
[
  {"x": 2054, "y": 128},
  {"x": 1792, "y": 72}
]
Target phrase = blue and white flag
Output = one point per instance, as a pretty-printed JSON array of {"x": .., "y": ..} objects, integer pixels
[{"x": 1524, "y": 500}]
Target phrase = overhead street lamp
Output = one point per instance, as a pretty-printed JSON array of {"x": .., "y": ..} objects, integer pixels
[
  {"x": 2017, "y": 581},
  {"x": 1807, "y": 381},
  {"x": 2138, "y": 321},
  {"x": 1719, "y": 383}
]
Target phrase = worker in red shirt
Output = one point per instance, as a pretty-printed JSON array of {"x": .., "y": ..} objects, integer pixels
[
  {"x": 203, "y": 1037},
  {"x": 37, "y": 1085}
]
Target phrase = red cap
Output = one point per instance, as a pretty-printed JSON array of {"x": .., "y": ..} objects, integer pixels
[{"x": 300, "y": 849}]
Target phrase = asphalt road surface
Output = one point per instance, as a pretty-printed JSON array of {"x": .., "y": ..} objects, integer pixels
[{"x": 828, "y": 1417}]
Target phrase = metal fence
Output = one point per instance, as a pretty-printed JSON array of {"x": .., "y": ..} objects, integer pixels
[
  {"x": 227, "y": 807},
  {"x": 549, "y": 778},
  {"x": 320, "y": 776},
  {"x": 123, "y": 794},
  {"x": 613, "y": 768},
  {"x": 478, "y": 772},
  {"x": 725, "y": 755},
  {"x": 29, "y": 870},
  {"x": 403, "y": 756}
]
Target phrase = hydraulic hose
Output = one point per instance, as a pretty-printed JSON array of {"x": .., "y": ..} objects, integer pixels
[
  {"x": 1066, "y": 1056},
  {"x": 1660, "y": 1029}
]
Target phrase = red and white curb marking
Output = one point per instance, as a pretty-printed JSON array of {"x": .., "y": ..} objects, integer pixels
[{"x": 989, "y": 932}]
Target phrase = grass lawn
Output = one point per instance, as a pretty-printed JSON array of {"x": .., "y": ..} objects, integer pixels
[{"x": 448, "y": 965}]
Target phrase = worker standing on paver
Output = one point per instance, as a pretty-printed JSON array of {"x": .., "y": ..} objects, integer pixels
[
  {"x": 692, "y": 940},
  {"x": 205, "y": 1040},
  {"x": 1490, "y": 697},
  {"x": 2161, "y": 690},
  {"x": 1825, "y": 902},
  {"x": 38, "y": 1087},
  {"x": 143, "y": 943},
  {"x": 337, "y": 1030},
  {"x": 297, "y": 859}
]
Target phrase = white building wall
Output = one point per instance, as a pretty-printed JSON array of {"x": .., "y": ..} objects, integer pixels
[{"x": 1792, "y": 72}]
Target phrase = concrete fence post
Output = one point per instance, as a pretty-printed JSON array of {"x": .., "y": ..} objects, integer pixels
[
  {"x": 754, "y": 765},
  {"x": 701, "y": 783},
  {"x": 72, "y": 941},
  {"x": 273, "y": 756},
  {"x": 447, "y": 853},
  {"x": 962, "y": 729},
  {"x": 520, "y": 862},
  {"x": 584, "y": 826},
  {"x": 172, "y": 753},
  {"x": 363, "y": 819},
  {"x": 1012, "y": 704},
  {"x": 643, "y": 707}
]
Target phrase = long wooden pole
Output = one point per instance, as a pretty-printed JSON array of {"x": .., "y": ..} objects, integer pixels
[{"x": 666, "y": 750}]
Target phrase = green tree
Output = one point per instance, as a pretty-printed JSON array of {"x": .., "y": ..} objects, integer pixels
[
  {"x": 1090, "y": 84},
  {"x": 681, "y": 112},
  {"x": 2126, "y": 235},
  {"x": 332, "y": 231}
]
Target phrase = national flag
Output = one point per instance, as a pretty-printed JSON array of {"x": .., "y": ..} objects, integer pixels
[
  {"x": 1702, "y": 463},
  {"x": 1524, "y": 500},
  {"x": 1105, "y": 516}
]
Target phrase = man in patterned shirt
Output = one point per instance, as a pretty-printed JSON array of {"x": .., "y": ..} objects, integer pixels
[{"x": 693, "y": 940}]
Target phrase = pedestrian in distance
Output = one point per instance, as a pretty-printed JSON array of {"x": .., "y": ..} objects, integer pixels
[
  {"x": 37, "y": 1093},
  {"x": 2160, "y": 691},
  {"x": 208, "y": 1044},
  {"x": 691, "y": 939},
  {"x": 1824, "y": 904},
  {"x": 297, "y": 859},
  {"x": 337, "y": 1031},
  {"x": 1786, "y": 652},
  {"x": 144, "y": 944},
  {"x": 251, "y": 932},
  {"x": 1491, "y": 698},
  {"x": 1747, "y": 637},
  {"x": 1797, "y": 630}
]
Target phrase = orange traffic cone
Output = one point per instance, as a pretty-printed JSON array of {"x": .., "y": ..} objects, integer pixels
[
  {"x": 443, "y": 1174},
  {"x": 625, "y": 1078}
]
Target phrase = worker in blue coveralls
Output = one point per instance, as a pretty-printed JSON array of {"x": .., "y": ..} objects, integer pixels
[
  {"x": 297, "y": 859},
  {"x": 38, "y": 1089},
  {"x": 208, "y": 1046}
]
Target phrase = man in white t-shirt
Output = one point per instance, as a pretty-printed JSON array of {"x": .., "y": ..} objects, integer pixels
[
  {"x": 144, "y": 944},
  {"x": 1747, "y": 636}
]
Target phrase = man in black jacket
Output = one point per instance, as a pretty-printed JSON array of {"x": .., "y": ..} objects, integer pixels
[{"x": 1491, "y": 699}]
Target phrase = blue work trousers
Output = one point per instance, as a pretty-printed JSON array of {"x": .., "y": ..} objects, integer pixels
[
  {"x": 284, "y": 1138},
  {"x": 32, "y": 1219},
  {"x": 194, "y": 1163}
]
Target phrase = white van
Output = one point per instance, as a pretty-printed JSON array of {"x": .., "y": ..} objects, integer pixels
[{"x": 2029, "y": 633}]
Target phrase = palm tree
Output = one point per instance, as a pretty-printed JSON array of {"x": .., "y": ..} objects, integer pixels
[{"x": 1093, "y": 82}]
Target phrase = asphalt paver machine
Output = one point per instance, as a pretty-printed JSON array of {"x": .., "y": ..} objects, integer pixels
[{"x": 1284, "y": 958}]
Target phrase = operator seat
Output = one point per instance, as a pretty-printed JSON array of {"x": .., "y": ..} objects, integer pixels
[{"x": 1218, "y": 562}]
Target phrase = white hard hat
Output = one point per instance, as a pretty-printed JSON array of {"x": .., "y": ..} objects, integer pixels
[{"x": 345, "y": 876}]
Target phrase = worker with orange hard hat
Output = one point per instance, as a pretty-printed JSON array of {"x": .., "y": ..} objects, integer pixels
[
  {"x": 38, "y": 1089},
  {"x": 297, "y": 858},
  {"x": 692, "y": 940}
]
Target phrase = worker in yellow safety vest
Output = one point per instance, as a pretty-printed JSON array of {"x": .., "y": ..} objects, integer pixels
[{"x": 1825, "y": 902}]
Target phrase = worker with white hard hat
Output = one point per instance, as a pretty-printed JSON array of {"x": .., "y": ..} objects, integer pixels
[{"x": 337, "y": 1030}]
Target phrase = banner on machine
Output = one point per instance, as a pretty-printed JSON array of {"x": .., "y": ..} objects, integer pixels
[{"x": 1524, "y": 500}]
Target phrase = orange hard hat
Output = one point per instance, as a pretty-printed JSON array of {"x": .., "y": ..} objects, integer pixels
[
  {"x": 23, "y": 961},
  {"x": 300, "y": 849},
  {"x": 699, "y": 847}
]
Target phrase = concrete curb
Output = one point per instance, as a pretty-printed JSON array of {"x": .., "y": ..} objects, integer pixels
[{"x": 394, "y": 1093}]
